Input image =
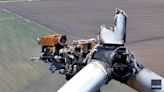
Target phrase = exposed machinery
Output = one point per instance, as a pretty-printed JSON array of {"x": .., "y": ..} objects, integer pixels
[
  {"x": 89, "y": 64},
  {"x": 66, "y": 59}
]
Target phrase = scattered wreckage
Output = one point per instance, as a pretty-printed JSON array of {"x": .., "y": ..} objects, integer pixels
[{"x": 89, "y": 64}]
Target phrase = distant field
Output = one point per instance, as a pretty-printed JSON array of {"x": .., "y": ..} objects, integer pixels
[
  {"x": 18, "y": 44},
  {"x": 15, "y": 0}
]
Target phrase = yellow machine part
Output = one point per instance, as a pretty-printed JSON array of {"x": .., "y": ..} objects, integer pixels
[
  {"x": 83, "y": 45},
  {"x": 92, "y": 43},
  {"x": 50, "y": 40},
  {"x": 52, "y": 49}
]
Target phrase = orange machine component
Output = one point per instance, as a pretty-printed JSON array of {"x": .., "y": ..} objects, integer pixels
[
  {"x": 52, "y": 49},
  {"x": 52, "y": 40},
  {"x": 85, "y": 45},
  {"x": 91, "y": 43}
]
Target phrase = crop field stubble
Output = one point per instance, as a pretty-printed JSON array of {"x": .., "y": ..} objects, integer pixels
[{"x": 18, "y": 44}]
